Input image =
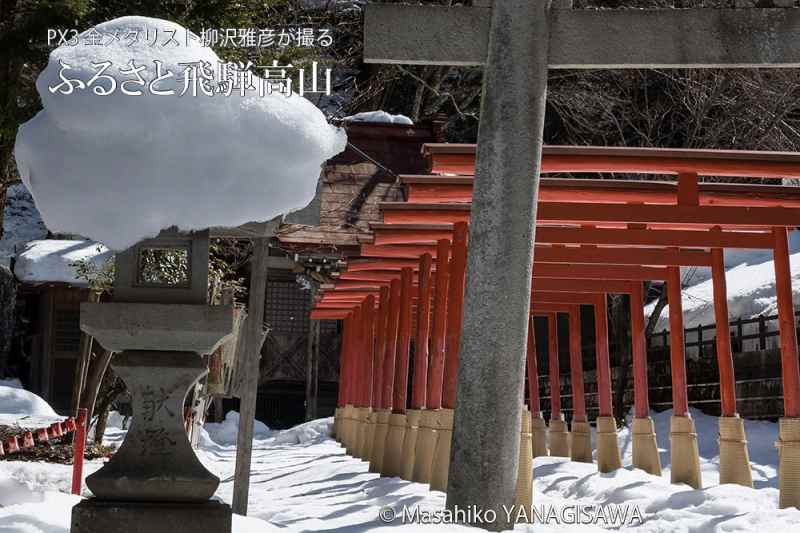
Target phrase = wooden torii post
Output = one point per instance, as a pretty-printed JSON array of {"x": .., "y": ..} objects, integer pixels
[{"x": 517, "y": 41}]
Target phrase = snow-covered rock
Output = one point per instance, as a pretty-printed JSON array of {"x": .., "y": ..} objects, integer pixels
[
  {"x": 379, "y": 116},
  {"x": 53, "y": 260},
  {"x": 21, "y": 222},
  {"x": 224, "y": 433},
  {"x": 751, "y": 292},
  {"x": 121, "y": 167},
  {"x": 312, "y": 431},
  {"x": 17, "y": 401}
]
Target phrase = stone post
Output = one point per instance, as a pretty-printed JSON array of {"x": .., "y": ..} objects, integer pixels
[
  {"x": 503, "y": 219},
  {"x": 154, "y": 482}
]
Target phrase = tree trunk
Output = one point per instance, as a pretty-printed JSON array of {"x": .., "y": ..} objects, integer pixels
[
  {"x": 82, "y": 366},
  {"x": 94, "y": 379}
]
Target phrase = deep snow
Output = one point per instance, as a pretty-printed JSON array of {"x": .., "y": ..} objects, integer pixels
[
  {"x": 21, "y": 222},
  {"x": 302, "y": 481},
  {"x": 121, "y": 167},
  {"x": 53, "y": 260}
]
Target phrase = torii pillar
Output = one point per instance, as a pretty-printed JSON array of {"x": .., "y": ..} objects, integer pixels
[
  {"x": 429, "y": 421},
  {"x": 684, "y": 452},
  {"x": 557, "y": 432},
  {"x": 420, "y": 379},
  {"x": 581, "y": 435},
  {"x": 608, "y": 458},
  {"x": 734, "y": 459},
  {"x": 538, "y": 426},
  {"x": 393, "y": 458},
  {"x": 377, "y": 374},
  {"x": 645, "y": 447},
  {"x": 487, "y": 423},
  {"x": 789, "y": 436}
]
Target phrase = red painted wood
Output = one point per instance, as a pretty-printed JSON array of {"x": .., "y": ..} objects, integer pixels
[
  {"x": 576, "y": 365},
  {"x": 400, "y": 395},
  {"x": 783, "y": 288},
  {"x": 390, "y": 354},
  {"x": 603, "y": 362},
  {"x": 534, "y": 404},
  {"x": 344, "y": 355},
  {"x": 689, "y": 189},
  {"x": 420, "y": 384},
  {"x": 369, "y": 351},
  {"x": 634, "y": 160},
  {"x": 455, "y": 305},
  {"x": 554, "y": 373},
  {"x": 417, "y": 234},
  {"x": 438, "y": 339},
  {"x": 446, "y": 189},
  {"x": 357, "y": 357},
  {"x": 641, "y": 404},
  {"x": 680, "y": 401},
  {"x": 664, "y": 216},
  {"x": 380, "y": 348},
  {"x": 79, "y": 449},
  {"x": 727, "y": 379}
]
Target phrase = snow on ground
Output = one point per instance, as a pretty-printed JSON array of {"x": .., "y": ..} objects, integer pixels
[
  {"x": 204, "y": 158},
  {"x": 751, "y": 289},
  {"x": 21, "y": 222},
  {"x": 379, "y": 116},
  {"x": 53, "y": 260},
  {"x": 302, "y": 481}
]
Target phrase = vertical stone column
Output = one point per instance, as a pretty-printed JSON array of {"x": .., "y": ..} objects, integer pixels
[
  {"x": 491, "y": 373},
  {"x": 558, "y": 434},
  {"x": 608, "y": 457},
  {"x": 581, "y": 436},
  {"x": 684, "y": 453},
  {"x": 645, "y": 447},
  {"x": 789, "y": 426}
]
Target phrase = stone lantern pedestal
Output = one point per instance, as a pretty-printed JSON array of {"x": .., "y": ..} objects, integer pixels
[{"x": 155, "y": 483}]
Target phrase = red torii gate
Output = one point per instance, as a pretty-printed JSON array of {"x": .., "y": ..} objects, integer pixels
[{"x": 625, "y": 241}]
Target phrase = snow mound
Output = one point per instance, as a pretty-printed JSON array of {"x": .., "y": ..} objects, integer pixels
[
  {"x": 21, "y": 222},
  {"x": 312, "y": 431},
  {"x": 751, "y": 292},
  {"x": 379, "y": 116},
  {"x": 224, "y": 433},
  {"x": 119, "y": 168},
  {"x": 53, "y": 260},
  {"x": 18, "y": 401}
]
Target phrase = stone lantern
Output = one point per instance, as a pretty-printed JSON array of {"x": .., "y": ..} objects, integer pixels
[{"x": 160, "y": 326}]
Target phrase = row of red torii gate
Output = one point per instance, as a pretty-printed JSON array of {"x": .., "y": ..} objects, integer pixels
[{"x": 594, "y": 237}]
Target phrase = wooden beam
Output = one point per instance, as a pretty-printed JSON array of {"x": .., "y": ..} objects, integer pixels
[
  {"x": 582, "y": 38},
  {"x": 400, "y": 234},
  {"x": 731, "y": 217}
]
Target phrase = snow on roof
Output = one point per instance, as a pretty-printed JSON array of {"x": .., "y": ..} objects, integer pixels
[
  {"x": 121, "y": 167},
  {"x": 379, "y": 116},
  {"x": 21, "y": 222},
  {"x": 51, "y": 261}
]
